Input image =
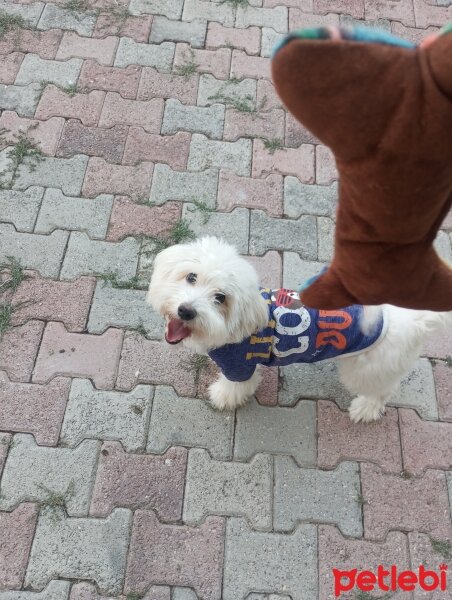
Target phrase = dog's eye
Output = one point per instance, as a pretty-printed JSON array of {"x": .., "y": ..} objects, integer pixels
[
  {"x": 220, "y": 298},
  {"x": 191, "y": 278}
]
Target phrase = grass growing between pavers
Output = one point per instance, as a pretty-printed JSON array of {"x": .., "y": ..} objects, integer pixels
[
  {"x": 189, "y": 68},
  {"x": 6, "y": 312},
  {"x": 360, "y": 595},
  {"x": 57, "y": 500},
  {"x": 179, "y": 233},
  {"x": 16, "y": 274},
  {"x": 133, "y": 283},
  {"x": 23, "y": 152},
  {"x": 70, "y": 89},
  {"x": 12, "y": 23},
  {"x": 196, "y": 364},
  {"x": 273, "y": 145},
  {"x": 441, "y": 547},
  {"x": 203, "y": 208},
  {"x": 236, "y": 3}
]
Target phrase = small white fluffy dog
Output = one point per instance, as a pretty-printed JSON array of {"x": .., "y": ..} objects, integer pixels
[{"x": 210, "y": 297}]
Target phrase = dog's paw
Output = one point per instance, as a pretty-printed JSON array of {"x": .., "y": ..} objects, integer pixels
[
  {"x": 224, "y": 395},
  {"x": 364, "y": 409}
]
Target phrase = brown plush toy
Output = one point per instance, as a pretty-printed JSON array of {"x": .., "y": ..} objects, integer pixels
[{"x": 384, "y": 107}]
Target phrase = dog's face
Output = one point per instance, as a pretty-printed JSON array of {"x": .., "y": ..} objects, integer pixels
[{"x": 207, "y": 293}]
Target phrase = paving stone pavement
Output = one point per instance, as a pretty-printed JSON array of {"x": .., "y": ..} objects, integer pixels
[{"x": 117, "y": 479}]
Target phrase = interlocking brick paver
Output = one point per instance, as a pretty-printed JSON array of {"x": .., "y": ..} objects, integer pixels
[
  {"x": 198, "y": 425},
  {"x": 185, "y": 186},
  {"x": 296, "y": 235},
  {"x": 298, "y": 162},
  {"x": 319, "y": 496},
  {"x": 443, "y": 382},
  {"x": 17, "y": 529},
  {"x": 259, "y": 428},
  {"x": 131, "y": 52},
  {"x": 423, "y": 551},
  {"x": 325, "y": 166},
  {"x": 140, "y": 481},
  {"x": 74, "y": 46},
  {"x": 256, "y": 67},
  {"x": 170, "y": 8},
  {"x": 43, "y": 43},
  {"x": 209, "y": 11},
  {"x": 93, "y": 141},
  {"x": 425, "y": 506},
  {"x": 297, "y": 270},
  {"x": 154, "y": 84},
  {"x": 228, "y": 488},
  {"x": 43, "y": 253},
  {"x": 176, "y": 555},
  {"x": 299, "y": 18},
  {"x": 66, "y": 174},
  {"x": 267, "y": 96},
  {"x": 62, "y": 212},
  {"x": 164, "y": 29},
  {"x": 300, "y": 198},
  {"x": 80, "y": 548},
  {"x": 18, "y": 349},
  {"x": 355, "y": 8},
  {"x": 212, "y": 90},
  {"x": 85, "y": 107},
  {"x": 341, "y": 439},
  {"x": 215, "y": 62},
  {"x": 268, "y": 125},
  {"x": 33, "y": 408},
  {"x": 402, "y": 10},
  {"x": 30, "y": 13},
  {"x": 61, "y": 18},
  {"x": 170, "y": 149},
  {"x": 36, "y": 473},
  {"x": 56, "y": 590},
  {"x": 117, "y": 110},
  {"x": 325, "y": 232},
  {"x": 269, "y": 270},
  {"x": 252, "y": 193},
  {"x": 10, "y": 67},
  {"x": 95, "y": 414},
  {"x": 35, "y": 69},
  {"x": 184, "y": 594},
  {"x": 244, "y": 39},
  {"x": 377, "y": 23},
  {"x": 78, "y": 355},
  {"x": 411, "y": 33},
  {"x": 137, "y": 28},
  {"x": 438, "y": 346},
  {"x": 233, "y": 156},
  {"x": 5, "y": 438},
  {"x": 111, "y": 79},
  {"x": 277, "y": 17},
  {"x": 270, "y": 38},
  {"x": 208, "y": 120},
  {"x": 134, "y": 181},
  {"x": 269, "y": 562},
  {"x": 45, "y": 134},
  {"x": 21, "y": 208},
  {"x": 232, "y": 227},
  {"x": 267, "y": 394},
  {"x": 417, "y": 391},
  {"x": 87, "y": 591},
  {"x": 22, "y": 99},
  {"x": 296, "y": 134}
]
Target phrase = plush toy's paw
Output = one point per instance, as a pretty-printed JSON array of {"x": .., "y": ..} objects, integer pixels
[{"x": 326, "y": 292}]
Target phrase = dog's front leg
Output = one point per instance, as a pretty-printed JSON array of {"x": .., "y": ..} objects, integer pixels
[{"x": 228, "y": 395}]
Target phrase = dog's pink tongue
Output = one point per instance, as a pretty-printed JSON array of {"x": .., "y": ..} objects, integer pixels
[{"x": 176, "y": 331}]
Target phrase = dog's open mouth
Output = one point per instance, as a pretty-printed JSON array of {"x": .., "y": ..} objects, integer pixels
[{"x": 176, "y": 331}]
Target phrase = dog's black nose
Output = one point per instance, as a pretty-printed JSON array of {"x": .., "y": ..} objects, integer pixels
[{"x": 186, "y": 313}]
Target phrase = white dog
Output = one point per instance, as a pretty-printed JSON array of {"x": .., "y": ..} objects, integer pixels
[{"x": 212, "y": 302}]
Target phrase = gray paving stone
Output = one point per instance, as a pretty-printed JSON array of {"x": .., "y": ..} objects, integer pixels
[
  {"x": 259, "y": 429},
  {"x": 92, "y": 257},
  {"x": 35, "y": 69},
  {"x": 296, "y": 235},
  {"x": 276, "y": 18},
  {"x": 169, "y": 8},
  {"x": 180, "y": 117},
  {"x": 130, "y": 52},
  {"x": 35, "y": 473},
  {"x": 417, "y": 391},
  {"x": 302, "y": 199},
  {"x": 22, "y": 99},
  {"x": 123, "y": 308},
  {"x": 177, "y": 421},
  {"x": 296, "y": 270},
  {"x": 64, "y": 173},
  {"x": 21, "y": 208},
  {"x": 56, "y": 17},
  {"x": 269, "y": 39},
  {"x": 100, "y": 415},
  {"x": 443, "y": 246},
  {"x": 228, "y": 488},
  {"x": 83, "y": 214},
  {"x": 272, "y": 563},
  {"x": 268, "y": 597},
  {"x": 184, "y": 594},
  {"x": 185, "y": 186},
  {"x": 164, "y": 29},
  {"x": 232, "y": 156},
  {"x": 211, "y": 90},
  {"x": 29, "y": 12},
  {"x": 350, "y": 21},
  {"x": 325, "y": 228},
  {"x": 56, "y": 590},
  {"x": 43, "y": 253},
  {"x": 80, "y": 548},
  {"x": 232, "y": 227},
  {"x": 209, "y": 11},
  {"x": 316, "y": 381},
  {"x": 6, "y": 167},
  {"x": 319, "y": 496}
]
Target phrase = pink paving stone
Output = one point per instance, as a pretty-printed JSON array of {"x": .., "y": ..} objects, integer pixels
[
  {"x": 128, "y": 218},
  {"x": 438, "y": 346},
  {"x": 55, "y": 102},
  {"x": 147, "y": 114},
  {"x": 33, "y": 408},
  {"x": 443, "y": 382},
  {"x": 111, "y": 79},
  {"x": 298, "y": 162},
  {"x": 101, "y": 177},
  {"x": 161, "y": 85},
  {"x": 49, "y": 300},
  {"x": 74, "y": 46},
  {"x": 296, "y": 134},
  {"x": 87, "y": 591},
  {"x": 10, "y": 67},
  {"x": 5, "y": 440},
  {"x": 206, "y": 378},
  {"x": 215, "y": 62},
  {"x": 408, "y": 504},
  {"x": 43, "y": 43},
  {"x": 340, "y": 439},
  {"x": 176, "y": 555},
  {"x": 268, "y": 125},
  {"x": 266, "y": 194},
  {"x": 16, "y": 534},
  {"x": 355, "y": 8},
  {"x": 248, "y": 39},
  {"x": 93, "y": 141},
  {"x": 425, "y": 444},
  {"x": 267, "y": 392},
  {"x": 78, "y": 355},
  {"x": 18, "y": 349},
  {"x": 325, "y": 166},
  {"x": 266, "y": 94},
  {"x": 411, "y": 33},
  {"x": 148, "y": 361},
  {"x": 137, "y": 28},
  {"x": 422, "y": 553},
  {"x": 336, "y": 552},
  {"x": 170, "y": 149},
  {"x": 256, "y": 67},
  {"x": 140, "y": 481},
  {"x": 397, "y": 10},
  {"x": 44, "y": 133},
  {"x": 269, "y": 268},
  {"x": 299, "y": 19},
  {"x": 429, "y": 14}
]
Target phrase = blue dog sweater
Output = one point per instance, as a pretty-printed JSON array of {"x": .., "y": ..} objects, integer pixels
[{"x": 295, "y": 333}]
